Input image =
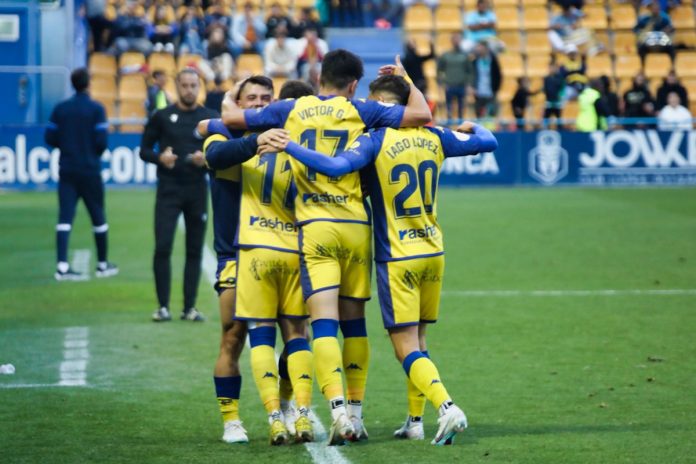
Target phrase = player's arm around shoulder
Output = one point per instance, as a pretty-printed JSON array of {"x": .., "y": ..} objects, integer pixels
[{"x": 468, "y": 139}]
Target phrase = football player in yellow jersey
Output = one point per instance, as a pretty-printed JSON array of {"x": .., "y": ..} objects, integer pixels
[
  {"x": 268, "y": 286},
  {"x": 402, "y": 180},
  {"x": 334, "y": 224},
  {"x": 225, "y": 196}
]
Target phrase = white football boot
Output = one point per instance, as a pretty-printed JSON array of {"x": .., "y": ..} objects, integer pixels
[
  {"x": 451, "y": 422},
  {"x": 411, "y": 430},
  {"x": 290, "y": 416},
  {"x": 341, "y": 430},
  {"x": 234, "y": 432}
]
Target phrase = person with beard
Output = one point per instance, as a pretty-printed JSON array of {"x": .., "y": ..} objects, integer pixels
[{"x": 181, "y": 188}]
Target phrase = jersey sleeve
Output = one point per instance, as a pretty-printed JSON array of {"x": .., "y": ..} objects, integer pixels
[
  {"x": 270, "y": 117},
  {"x": 359, "y": 155},
  {"x": 221, "y": 153},
  {"x": 215, "y": 126},
  {"x": 460, "y": 144},
  {"x": 378, "y": 114},
  {"x": 51, "y": 133}
]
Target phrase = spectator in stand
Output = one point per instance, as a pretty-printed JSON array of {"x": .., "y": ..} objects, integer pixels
[
  {"x": 248, "y": 31},
  {"x": 348, "y": 14},
  {"x": 280, "y": 55},
  {"x": 592, "y": 111},
  {"x": 130, "y": 31},
  {"x": 214, "y": 97},
  {"x": 277, "y": 19},
  {"x": 98, "y": 24},
  {"x": 157, "y": 96},
  {"x": 674, "y": 116},
  {"x": 520, "y": 101},
  {"x": 218, "y": 55},
  {"x": 191, "y": 31},
  {"x": 217, "y": 15},
  {"x": 306, "y": 21},
  {"x": 162, "y": 32},
  {"x": 554, "y": 84},
  {"x": 670, "y": 84},
  {"x": 480, "y": 26},
  {"x": 564, "y": 27},
  {"x": 430, "y": 3},
  {"x": 638, "y": 101},
  {"x": 311, "y": 50},
  {"x": 613, "y": 103},
  {"x": 653, "y": 32},
  {"x": 413, "y": 64},
  {"x": 574, "y": 71},
  {"x": 455, "y": 72},
  {"x": 572, "y": 3},
  {"x": 487, "y": 80}
]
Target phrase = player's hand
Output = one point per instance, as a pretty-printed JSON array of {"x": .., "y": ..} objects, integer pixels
[
  {"x": 197, "y": 158},
  {"x": 466, "y": 127},
  {"x": 202, "y": 128},
  {"x": 167, "y": 158},
  {"x": 277, "y": 139},
  {"x": 229, "y": 102}
]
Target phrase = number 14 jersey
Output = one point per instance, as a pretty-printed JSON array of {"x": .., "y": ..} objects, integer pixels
[{"x": 328, "y": 125}]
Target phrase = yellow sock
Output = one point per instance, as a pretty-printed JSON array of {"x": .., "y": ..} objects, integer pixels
[
  {"x": 416, "y": 400},
  {"x": 426, "y": 378},
  {"x": 265, "y": 370},
  {"x": 328, "y": 366},
  {"x": 229, "y": 408},
  {"x": 300, "y": 363},
  {"x": 356, "y": 359}
]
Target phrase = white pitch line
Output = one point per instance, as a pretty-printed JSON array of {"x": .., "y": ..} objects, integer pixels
[
  {"x": 40, "y": 385},
  {"x": 73, "y": 369},
  {"x": 321, "y": 453},
  {"x": 571, "y": 293},
  {"x": 80, "y": 262}
]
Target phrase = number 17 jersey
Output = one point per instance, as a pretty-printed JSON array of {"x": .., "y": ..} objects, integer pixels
[{"x": 328, "y": 125}]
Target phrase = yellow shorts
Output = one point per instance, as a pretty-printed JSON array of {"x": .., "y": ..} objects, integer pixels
[
  {"x": 226, "y": 274},
  {"x": 268, "y": 285},
  {"x": 409, "y": 290},
  {"x": 336, "y": 255}
]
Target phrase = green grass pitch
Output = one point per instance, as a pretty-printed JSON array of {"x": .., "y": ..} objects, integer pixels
[{"x": 571, "y": 377}]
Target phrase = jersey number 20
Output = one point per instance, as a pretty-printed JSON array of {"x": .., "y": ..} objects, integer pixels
[{"x": 414, "y": 181}]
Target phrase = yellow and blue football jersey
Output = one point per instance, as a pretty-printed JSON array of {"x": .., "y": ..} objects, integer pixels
[
  {"x": 327, "y": 125},
  {"x": 266, "y": 215}
]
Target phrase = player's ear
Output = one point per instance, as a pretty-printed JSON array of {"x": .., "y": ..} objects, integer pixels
[{"x": 352, "y": 87}]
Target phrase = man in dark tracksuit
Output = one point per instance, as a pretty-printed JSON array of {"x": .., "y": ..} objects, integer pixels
[
  {"x": 78, "y": 128},
  {"x": 182, "y": 188}
]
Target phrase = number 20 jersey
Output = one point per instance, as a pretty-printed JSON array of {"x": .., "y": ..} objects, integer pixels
[
  {"x": 328, "y": 125},
  {"x": 403, "y": 188}
]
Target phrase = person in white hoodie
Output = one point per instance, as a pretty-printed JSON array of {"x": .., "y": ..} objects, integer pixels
[
  {"x": 280, "y": 55},
  {"x": 674, "y": 116}
]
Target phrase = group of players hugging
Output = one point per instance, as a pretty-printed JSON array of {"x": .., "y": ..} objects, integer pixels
[{"x": 293, "y": 233}]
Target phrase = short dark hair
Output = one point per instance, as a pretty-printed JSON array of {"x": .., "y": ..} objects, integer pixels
[
  {"x": 186, "y": 70},
  {"x": 295, "y": 89},
  {"x": 80, "y": 79},
  {"x": 263, "y": 81},
  {"x": 157, "y": 73},
  {"x": 339, "y": 68},
  {"x": 395, "y": 85}
]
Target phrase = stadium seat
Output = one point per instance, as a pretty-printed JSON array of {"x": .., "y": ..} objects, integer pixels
[
  {"x": 683, "y": 17},
  {"x": 162, "y": 61},
  {"x": 538, "y": 43},
  {"x": 570, "y": 110},
  {"x": 422, "y": 40},
  {"x": 251, "y": 64},
  {"x": 448, "y": 18},
  {"x": 129, "y": 59},
  {"x": 103, "y": 87},
  {"x": 132, "y": 109},
  {"x": 132, "y": 87},
  {"x": 109, "y": 107},
  {"x": 538, "y": 65},
  {"x": 686, "y": 64},
  {"x": 527, "y": 3},
  {"x": 418, "y": 18},
  {"x": 623, "y": 17},
  {"x": 512, "y": 41},
  {"x": 499, "y": 3},
  {"x": 507, "y": 89},
  {"x": 508, "y": 18},
  {"x": 101, "y": 64},
  {"x": 595, "y": 17},
  {"x": 599, "y": 65},
  {"x": 471, "y": 5},
  {"x": 511, "y": 64},
  {"x": 299, "y": 4},
  {"x": 657, "y": 65},
  {"x": 187, "y": 60},
  {"x": 626, "y": 66},
  {"x": 624, "y": 43},
  {"x": 603, "y": 38},
  {"x": 535, "y": 17},
  {"x": 690, "y": 84},
  {"x": 687, "y": 38},
  {"x": 278, "y": 83},
  {"x": 454, "y": 3}
]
